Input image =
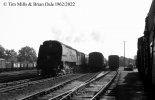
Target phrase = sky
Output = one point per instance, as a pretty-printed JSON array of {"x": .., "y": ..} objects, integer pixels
[{"x": 87, "y": 25}]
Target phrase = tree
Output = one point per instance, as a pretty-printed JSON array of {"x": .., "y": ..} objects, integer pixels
[
  {"x": 127, "y": 61},
  {"x": 121, "y": 61},
  {"x": 2, "y": 52},
  {"x": 27, "y": 54},
  {"x": 10, "y": 55}
]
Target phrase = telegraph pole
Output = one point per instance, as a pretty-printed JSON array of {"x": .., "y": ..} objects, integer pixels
[{"x": 124, "y": 53}]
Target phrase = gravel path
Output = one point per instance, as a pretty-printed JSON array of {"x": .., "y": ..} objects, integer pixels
[{"x": 130, "y": 87}]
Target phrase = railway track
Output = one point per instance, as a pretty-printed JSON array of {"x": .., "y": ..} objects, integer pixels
[
  {"x": 110, "y": 93},
  {"x": 89, "y": 90},
  {"x": 17, "y": 75},
  {"x": 61, "y": 89},
  {"x": 68, "y": 89},
  {"x": 4, "y": 87},
  {"x": 21, "y": 90},
  {"x": 9, "y": 86},
  {"x": 93, "y": 89}
]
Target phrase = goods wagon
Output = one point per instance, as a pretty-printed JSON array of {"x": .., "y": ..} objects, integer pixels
[
  {"x": 96, "y": 61},
  {"x": 113, "y": 62},
  {"x": 56, "y": 58},
  {"x": 146, "y": 49},
  {"x": 14, "y": 66},
  {"x": 140, "y": 56}
]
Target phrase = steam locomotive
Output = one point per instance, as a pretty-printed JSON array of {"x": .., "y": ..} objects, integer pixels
[
  {"x": 56, "y": 58},
  {"x": 146, "y": 49}
]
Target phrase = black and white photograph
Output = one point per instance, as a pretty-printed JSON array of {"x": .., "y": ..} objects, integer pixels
[{"x": 77, "y": 50}]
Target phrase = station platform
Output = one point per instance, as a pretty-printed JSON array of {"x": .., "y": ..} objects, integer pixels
[{"x": 131, "y": 87}]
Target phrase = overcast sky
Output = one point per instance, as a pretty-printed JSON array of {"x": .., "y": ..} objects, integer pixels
[{"x": 90, "y": 25}]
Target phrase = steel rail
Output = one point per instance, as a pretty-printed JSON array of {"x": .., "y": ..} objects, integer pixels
[
  {"x": 68, "y": 96},
  {"x": 71, "y": 94},
  {"x": 52, "y": 89},
  {"x": 48, "y": 90},
  {"x": 25, "y": 84},
  {"x": 104, "y": 88}
]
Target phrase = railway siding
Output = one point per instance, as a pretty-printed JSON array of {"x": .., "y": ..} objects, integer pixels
[
  {"x": 92, "y": 89},
  {"x": 126, "y": 86},
  {"x": 33, "y": 87},
  {"x": 61, "y": 89}
]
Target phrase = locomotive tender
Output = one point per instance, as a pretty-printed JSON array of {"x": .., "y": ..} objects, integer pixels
[
  {"x": 113, "y": 62},
  {"x": 55, "y": 57},
  {"x": 146, "y": 49},
  {"x": 96, "y": 62}
]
